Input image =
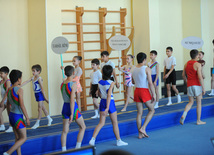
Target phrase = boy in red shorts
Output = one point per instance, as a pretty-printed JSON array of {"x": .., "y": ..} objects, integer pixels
[{"x": 141, "y": 77}]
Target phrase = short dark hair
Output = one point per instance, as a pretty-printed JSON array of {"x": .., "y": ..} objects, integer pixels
[
  {"x": 95, "y": 61},
  {"x": 37, "y": 67},
  {"x": 107, "y": 72},
  {"x": 154, "y": 52},
  {"x": 193, "y": 53},
  {"x": 78, "y": 57},
  {"x": 201, "y": 52},
  {"x": 213, "y": 41},
  {"x": 169, "y": 48},
  {"x": 69, "y": 70},
  {"x": 15, "y": 75},
  {"x": 132, "y": 56},
  {"x": 104, "y": 53},
  {"x": 4, "y": 69},
  {"x": 141, "y": 57}
]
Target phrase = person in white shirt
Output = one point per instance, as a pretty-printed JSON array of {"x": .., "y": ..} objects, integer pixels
[
  {"x": 95, "y": 77},
  {"x": 169, "y": 75}
]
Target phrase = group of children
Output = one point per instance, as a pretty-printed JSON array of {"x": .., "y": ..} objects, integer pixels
[{"x": 144, "y": 76}]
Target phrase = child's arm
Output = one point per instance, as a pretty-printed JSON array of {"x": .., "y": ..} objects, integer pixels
[
  {"x": 115, "y": 77},
  {"x": 98, "y": 92},
  {"x": 20, "y": 94},
  {"x": 164, "y": 71},
  {"x": 170, "y": 71},
  {"x": 8, "y": 83},
  {"x": 199, "y": 72},
  {"x": 184, "y": 74},
  {"x": 157, "y": 74},
  {"x": 26, "y": 82},
  {"x": 8, "y": 107},
  {"x": 72, "y": 102},
  {"x": 43, "y": 92},
  {"x": 109, "y": 98},
  {"x": 151, "y": 86},
  {"x": 90, "y": 89}
]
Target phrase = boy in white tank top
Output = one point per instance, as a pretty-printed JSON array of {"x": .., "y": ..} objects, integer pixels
[{"x": 141, "y": 77}]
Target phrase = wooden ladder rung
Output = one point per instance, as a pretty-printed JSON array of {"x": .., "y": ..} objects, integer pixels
[
  {"x": 114, "y": 23},
  {"x": 70, "y": 11},
  {"x": 72, "y": 51},
  {"x": 119, "y": 100},
  {"x": 116, "y": 32},
  {"x": 92, "y": 32},
  {"x": 74, "y": 42},
  {"x": 94, "y": 50},
  {"x": 90, "y": 104},
  {"x": 69, "y": 33},
  {"x": 114, "y": 11},
  {"x": 116, "y": 92},
  {"x": 67, "y": 61},
  {"x": 70, "y": 23},
  {"x": 100, "y": 58},
  {"x": 92, "y": 41},
  {"x": 92, "y": 23}
]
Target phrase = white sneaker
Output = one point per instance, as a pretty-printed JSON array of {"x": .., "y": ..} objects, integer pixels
[
  {"x": 10, "y": 129},
  {"x": 121, "y": 143},
  {"x": 169, "y": 103},
  {"x": 2, "y": 128},
  {"x": 50, "y": 121},
  {"x": 156, "y": 106},
  {"x": 35, "y": 126},
  {"x": 210, "y": 94},
  {"x": 92, "y": 142},
  {"x": 179, "y": 99},
  {"x": 5, "y": 153}
]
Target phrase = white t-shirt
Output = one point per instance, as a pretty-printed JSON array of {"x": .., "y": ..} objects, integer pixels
[
  {"x": 140, "y": 77},
  {"x": 169, "y": 61},
  {"x": 95, "y": 77},
  {"x": 108, "y": 63}
]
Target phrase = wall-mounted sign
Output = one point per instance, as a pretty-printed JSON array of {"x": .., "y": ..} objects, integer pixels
[
  {"x": 192, "y": 43},
  {"x": 60, "y": 45},
  {"x": 119, "y": 42}
]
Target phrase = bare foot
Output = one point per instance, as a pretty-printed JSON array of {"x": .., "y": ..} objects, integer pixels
[
  {"x": 200, "y": 123},
  {"x": 123, "y": 109},
  {"x": 143, "y": 132},
  {"x": 140, "y": 136},
  {"x": 182, "y": 120}
]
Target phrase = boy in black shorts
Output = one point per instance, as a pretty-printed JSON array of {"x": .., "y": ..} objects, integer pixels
[
  {"x": 169, "y": 75},
  {"x": 95, "y": 77}
]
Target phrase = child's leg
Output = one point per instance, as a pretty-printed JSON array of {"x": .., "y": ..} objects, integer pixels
[
  {"x": 187, "y": 108},
  {"x": 157, "y": 96},
  {"x": 46, "y": 114},
  {"x": 128, "y": 94},
  {"x": 96, "y": 108},
  {"x": 168, "y": 87},
  {"x": 148, "y": 118},
  {"x": 64, "y": 133},
  {"x": 177, "y": 93},
  {"x": 40, "y": 103},
  {"x": 82, "y": 127},
  {"x": 78, "y": 101},
  {"x": 139, "y": 117},
  {"x": 212, "y": 85},
  {"x": 2, "y": 127},
  {"x": 198, "y": 100},
  {"x": 21, "y": 137}
]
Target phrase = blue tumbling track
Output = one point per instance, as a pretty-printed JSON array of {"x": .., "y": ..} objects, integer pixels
[{"x": 47, "y": 139}]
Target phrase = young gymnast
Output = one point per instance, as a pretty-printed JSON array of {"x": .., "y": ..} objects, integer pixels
[
  {"x": 154, "y": 66},
  {"x": 39, "y": 94},
  {"x": 106, "y": 61},
  {"x": 128, "y": 78},
  {"x": 169, "y": 75},
  {"x": 4, "y": 84},
  {"x": 95, "y": 77},
  {"x": 77, "y": 75},
  {"x": 195, "y": 85},
  {"x": 202, "y": 62},
  {"x": 107, "y": 105},
  {"x": 141, "y": 76},
  {"x": 16, "y": 111},
  {"x": 70, "y": 111}
]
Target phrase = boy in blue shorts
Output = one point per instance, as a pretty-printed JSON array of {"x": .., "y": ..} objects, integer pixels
[
  {"x": 39, "y": 94},
  {"x": 95, "y": 78},
  {"x": 107, "y": 105},
  {"x": 70, "y": 110},
  {"x": 154, "y": 66},
  {"x": 16, "y": 112},
  {"x": 4, "y": 84}
]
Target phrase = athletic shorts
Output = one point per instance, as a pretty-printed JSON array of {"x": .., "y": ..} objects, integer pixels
[
  {"x": 171, "y": 78},
  {"x": 112, "y": 107},
  {"x": 66, "y": 111},
  {"x": 16, "y": 120},
  {"x": 153, "y": 79},
  {"x": 94, "y": 88},
  {"x": 142, "y": 95},
  {"x": 213, "y": 71},
  {"x": 194, "y": 91},
  {"x": 39, "y": 97}
]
